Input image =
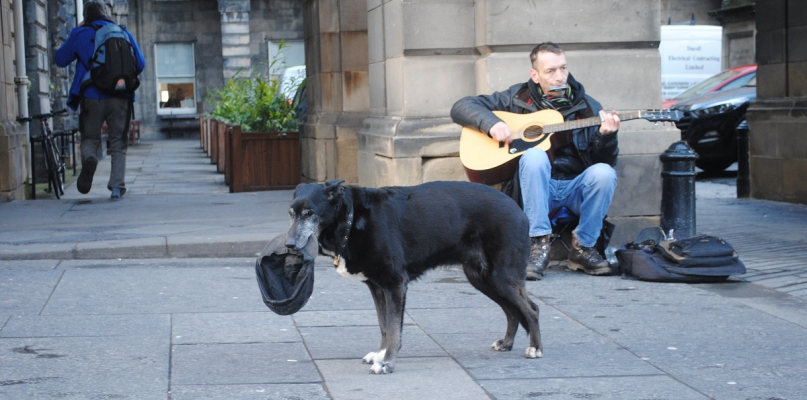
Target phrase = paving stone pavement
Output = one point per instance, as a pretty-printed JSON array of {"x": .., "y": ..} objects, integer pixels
[{"x": 153, "y": 296}]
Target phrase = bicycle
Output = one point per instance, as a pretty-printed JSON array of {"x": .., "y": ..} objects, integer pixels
[{"x": 54, "y": 161}]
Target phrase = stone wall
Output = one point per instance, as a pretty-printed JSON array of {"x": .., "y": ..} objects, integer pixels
[
  {"x": 37, "y": 58},
  {"x": 338, "y": 88},
  {"x": 739, "y": 31},
  {"x": 681, "y": 11},
  {"x": 777, "y": 120},
  {"x": 13, "y": 147},
  {"x": 61, "y": 20}
]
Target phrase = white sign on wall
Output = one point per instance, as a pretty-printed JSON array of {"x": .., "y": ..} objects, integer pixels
[{"x": 689, "y": 54}]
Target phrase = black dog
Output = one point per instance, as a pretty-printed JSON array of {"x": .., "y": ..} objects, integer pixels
[{"x": 388, "y": 237}]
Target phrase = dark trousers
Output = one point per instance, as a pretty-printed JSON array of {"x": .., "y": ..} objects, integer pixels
[{"x": 94, "y": 112}]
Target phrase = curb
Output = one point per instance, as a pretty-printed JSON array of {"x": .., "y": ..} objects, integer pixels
[{"x": 82, "y": 251}]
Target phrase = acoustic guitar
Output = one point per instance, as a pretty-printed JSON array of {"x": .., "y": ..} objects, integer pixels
[{"x": 489, "y": 161}]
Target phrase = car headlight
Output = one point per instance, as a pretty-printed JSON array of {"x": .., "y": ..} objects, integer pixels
[{"x": 719, "y": 108}]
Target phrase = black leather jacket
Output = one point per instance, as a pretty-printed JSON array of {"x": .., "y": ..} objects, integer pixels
[{"x": 590, "y": 147}]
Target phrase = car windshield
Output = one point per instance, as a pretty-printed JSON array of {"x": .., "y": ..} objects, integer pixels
[
  {"x": 707, "y": 85},
  {"x": 747, "y": 80},
  {"x": 752, "y": 81}
]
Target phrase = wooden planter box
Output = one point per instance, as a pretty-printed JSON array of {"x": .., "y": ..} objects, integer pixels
[{"x": 257, "y": 161}]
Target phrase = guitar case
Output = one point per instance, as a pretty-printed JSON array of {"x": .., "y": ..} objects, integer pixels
[{"x": 286, "y": 276}]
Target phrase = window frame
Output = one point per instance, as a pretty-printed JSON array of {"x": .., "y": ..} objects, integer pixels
[{"x": 159, "y": 79}]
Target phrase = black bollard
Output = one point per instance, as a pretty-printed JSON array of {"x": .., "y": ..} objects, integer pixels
[
  {"x": 678, "y": 189},
  {"x": 743, "y": 181}
]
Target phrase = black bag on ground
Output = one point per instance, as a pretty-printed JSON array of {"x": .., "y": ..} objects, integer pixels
[
  {"x": 701, "y": 258},
  {"x": 286, "y": 276}
]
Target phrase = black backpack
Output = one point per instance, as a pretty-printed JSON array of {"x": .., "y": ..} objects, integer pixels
[
  {"x": 113, "y": 68},
  {"x": 702, "y": 258}
]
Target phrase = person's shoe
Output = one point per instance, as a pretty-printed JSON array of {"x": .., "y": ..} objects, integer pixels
[
  {"x": 117, "y": 193},
  {"x": 587, "y": 259},
  {"x": 84, "y": 182},
  {"x": 539, "y": 257}
]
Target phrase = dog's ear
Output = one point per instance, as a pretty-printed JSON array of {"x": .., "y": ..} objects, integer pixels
[
  {"x": 334, "y": 189},
  {"x": 294, "y": 194}
]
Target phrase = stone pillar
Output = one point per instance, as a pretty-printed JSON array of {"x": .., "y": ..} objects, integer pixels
[
  {"x": 425, "y": 55},
  {"x": 337, "y": 86},
  {"x": 235, "y": 36},
  {"x": 777, "y": 119},
  {"x": 422, "y": 59},
  {"x": 13, "y": 147}
]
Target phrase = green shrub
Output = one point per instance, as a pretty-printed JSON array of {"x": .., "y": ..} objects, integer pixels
[{"x": 254, "y": 102}]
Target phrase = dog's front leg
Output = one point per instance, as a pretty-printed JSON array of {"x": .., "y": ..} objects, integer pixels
[
  {"x": 380, "y": 301},
  {"x": 384, "y": 362}
]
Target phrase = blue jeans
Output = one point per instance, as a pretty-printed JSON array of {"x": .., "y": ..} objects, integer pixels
[{"x": 587, "y": 196}]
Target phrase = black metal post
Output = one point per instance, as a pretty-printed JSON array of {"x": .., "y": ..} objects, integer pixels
[
  {"x": 743, "y": 179},
  {"x": 678, "y": 189}
]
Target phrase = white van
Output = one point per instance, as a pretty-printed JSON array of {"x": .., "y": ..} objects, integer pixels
[{"x": 290, "y": 79}]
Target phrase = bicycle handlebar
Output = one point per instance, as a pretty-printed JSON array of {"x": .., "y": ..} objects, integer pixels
[{"x": 44, "y": 116}]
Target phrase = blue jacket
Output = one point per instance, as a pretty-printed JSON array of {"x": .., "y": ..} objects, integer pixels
[{"x": 80, "y": 45}]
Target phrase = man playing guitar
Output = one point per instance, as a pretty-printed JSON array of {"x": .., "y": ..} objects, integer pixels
[{"x": 578, "y": 174}]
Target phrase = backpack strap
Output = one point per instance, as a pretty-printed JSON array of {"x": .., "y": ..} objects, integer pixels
[{"x": 95, "y": 29}]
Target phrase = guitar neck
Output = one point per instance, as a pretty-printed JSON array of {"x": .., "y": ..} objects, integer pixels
[{"x": 585, "y": 123}]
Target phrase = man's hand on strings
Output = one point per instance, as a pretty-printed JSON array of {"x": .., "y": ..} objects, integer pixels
[
  {"x": 610, "y": 122},
  {"x": 501, "y": 133}
]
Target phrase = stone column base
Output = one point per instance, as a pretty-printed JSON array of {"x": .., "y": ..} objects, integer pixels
[{"x": 407, "y": 151}]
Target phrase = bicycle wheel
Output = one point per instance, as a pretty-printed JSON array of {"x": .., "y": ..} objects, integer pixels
[{"x": 54, "y": 167}]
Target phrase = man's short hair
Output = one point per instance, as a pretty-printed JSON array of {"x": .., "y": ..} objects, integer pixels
[
  {"x": 95, "y": 10},
  {"x": 546, "y": 46}
]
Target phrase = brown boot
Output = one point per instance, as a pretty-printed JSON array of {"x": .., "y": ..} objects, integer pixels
[
  {"x": 539, "y": 257},
  {"x": 587, "y": 259}
]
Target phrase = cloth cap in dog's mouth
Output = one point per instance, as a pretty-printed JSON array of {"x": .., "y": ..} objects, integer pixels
[{"x": 286, "y": 276}]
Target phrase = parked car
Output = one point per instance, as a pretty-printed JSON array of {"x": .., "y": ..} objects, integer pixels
[
  {"x": 731, "y": 78},
  {"x": 710, "y": 122}
]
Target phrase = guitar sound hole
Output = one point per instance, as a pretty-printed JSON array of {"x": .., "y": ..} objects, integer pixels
[{"x": 534, "y": 132}]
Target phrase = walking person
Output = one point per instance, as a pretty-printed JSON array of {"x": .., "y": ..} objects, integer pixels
[
  {"x": 101, "y": 102},
  {"x": 579, "y": 174}
]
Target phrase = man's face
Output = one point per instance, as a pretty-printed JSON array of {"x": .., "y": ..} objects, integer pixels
[{"x": 550, "y": 70}]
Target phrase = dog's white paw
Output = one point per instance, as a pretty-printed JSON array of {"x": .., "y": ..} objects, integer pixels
[
  {"x": 374, "y": 357},
  {"x": 380, "y": 367},
  {"x": 500, "y": 345},
  {"x": 532, "y": 352},
  {"x": 368, "y": 359}
]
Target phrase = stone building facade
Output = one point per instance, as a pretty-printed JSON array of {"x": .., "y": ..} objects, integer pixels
[
  {"x": 13, "y": 137},
  {"x": 777, "y": 119}
]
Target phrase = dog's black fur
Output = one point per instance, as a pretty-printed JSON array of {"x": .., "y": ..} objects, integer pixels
[{"x": 391, "y": 236}]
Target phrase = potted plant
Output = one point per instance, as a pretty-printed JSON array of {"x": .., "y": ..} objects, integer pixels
[{"x": 259, "y": 147}]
